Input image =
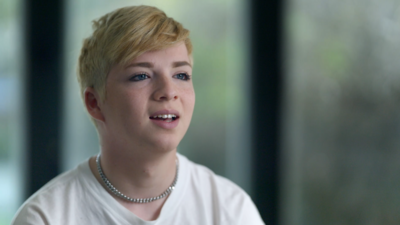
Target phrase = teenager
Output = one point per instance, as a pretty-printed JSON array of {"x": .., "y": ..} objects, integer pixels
[{"x": 135, "y": 77}]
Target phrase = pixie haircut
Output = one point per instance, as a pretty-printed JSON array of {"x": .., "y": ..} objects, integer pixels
[{"x": 121, "y": 36}]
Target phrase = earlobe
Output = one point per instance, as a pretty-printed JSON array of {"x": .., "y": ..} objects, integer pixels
[{"x": 92, "y": 104}]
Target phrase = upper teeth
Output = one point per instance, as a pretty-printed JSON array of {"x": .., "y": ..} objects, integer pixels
[{"x": 165, "y": 116}]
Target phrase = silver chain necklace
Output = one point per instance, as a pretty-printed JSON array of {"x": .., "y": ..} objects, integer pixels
[{"x": 135, "y": 200}]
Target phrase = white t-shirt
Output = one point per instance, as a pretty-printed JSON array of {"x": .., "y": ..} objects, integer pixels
[{"x": 200, "y": 197}]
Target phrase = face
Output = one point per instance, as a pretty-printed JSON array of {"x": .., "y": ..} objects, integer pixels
[{"x": 149, "y": 103}]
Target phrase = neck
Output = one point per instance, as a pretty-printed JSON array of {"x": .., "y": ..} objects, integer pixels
[{"x": 138, "y": 175}]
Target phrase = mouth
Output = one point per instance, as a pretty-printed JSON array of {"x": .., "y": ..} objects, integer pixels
[{"x": 165, "y": 117}]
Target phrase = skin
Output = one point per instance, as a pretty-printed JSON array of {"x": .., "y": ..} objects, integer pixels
[{"x": 138, "y": 155}]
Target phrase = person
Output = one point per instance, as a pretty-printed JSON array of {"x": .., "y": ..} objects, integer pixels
[{"x": 135, "y": 78}]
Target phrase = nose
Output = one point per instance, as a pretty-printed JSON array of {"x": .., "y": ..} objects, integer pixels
[{"x": 165, "y": 90}]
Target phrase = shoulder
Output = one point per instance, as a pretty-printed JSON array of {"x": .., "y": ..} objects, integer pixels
[
  {"x": 51, "y": 200},
  {"x": 230, "y": 203},
  {"x": 201, "y": 176}
]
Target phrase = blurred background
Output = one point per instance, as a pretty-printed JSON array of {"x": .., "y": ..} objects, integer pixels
[{"x": 337, "y": 145}]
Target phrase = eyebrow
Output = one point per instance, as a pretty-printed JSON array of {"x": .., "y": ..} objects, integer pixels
[
  {"x": 180, "y": 63},
  {"x": 141, "y": 64},
  {"x": 150, "y": 65}
]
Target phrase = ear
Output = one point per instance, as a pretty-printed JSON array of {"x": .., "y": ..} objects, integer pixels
[{"x": 92, "y": 103}]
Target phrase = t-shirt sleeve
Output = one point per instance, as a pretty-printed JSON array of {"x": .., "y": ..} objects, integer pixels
[
  {"x": 30, "y": 215},
  {"x": 249, "y": 214},
  {"x": 236, "y": 205}
]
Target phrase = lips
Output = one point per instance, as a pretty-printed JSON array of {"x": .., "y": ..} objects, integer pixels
[{"x": 167, "y": 119}]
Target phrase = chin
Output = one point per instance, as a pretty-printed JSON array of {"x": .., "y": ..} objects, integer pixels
[{"x": 165, "y": 144}]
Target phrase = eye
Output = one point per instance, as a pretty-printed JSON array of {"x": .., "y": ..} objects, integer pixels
[
  {"x": 139, "y": 77},
  {"x": 182, "y": 76}
]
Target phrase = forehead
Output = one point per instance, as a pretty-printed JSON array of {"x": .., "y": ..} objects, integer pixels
[
  {"x": 171, "y": 57},
  {"x": 176, "y": 52}
]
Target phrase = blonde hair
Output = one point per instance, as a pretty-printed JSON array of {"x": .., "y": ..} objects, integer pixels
[{"x": 121, "y": 36}]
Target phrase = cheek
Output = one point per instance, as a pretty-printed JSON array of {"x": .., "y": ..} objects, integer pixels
[
  {"x": 189, "y": 98},
  {"x": 189, "y": 95},
  {"x": 128, "y": 103}
]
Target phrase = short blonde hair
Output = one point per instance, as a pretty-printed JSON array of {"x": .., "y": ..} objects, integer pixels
[{"x": 121, "y": 36}]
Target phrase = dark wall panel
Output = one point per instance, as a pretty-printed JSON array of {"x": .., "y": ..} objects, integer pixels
[
  {"x": 43, "y": 51},
  {"x": 266, "y": 24}
]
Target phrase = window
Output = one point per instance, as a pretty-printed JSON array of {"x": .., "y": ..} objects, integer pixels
[
  {"x": 342, "y": 113},
  {"x": 11, "y": 131}
]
